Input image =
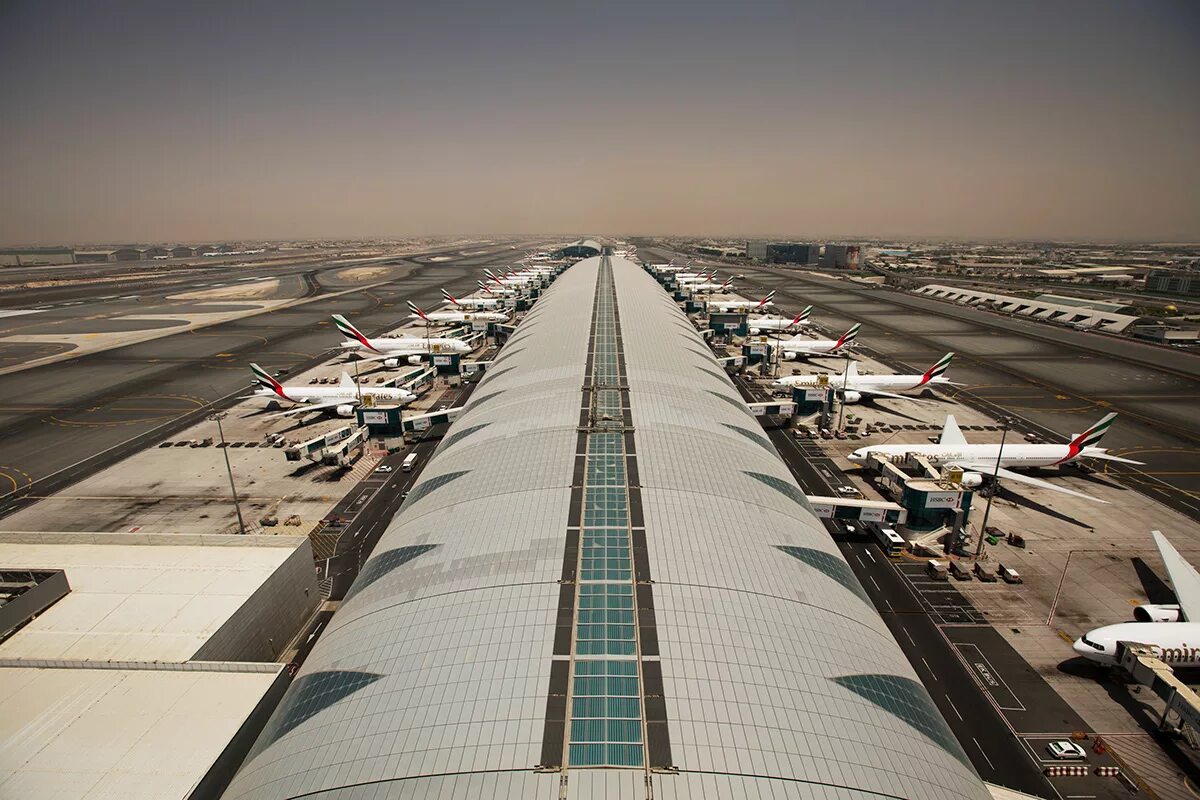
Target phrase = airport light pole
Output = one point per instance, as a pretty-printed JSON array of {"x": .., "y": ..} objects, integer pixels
[
  {"x": 842, "y": 404},
  {"x": 1005, "y": 422},
  {"x": 217, "y": 417}
]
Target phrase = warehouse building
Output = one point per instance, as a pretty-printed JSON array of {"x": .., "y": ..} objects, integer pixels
[
  {"x": 141, "y": 667},
  {"x": 606, "y": 584},
  {"x": 783, "y": 252},
  {"x": 36, "y": 256}
]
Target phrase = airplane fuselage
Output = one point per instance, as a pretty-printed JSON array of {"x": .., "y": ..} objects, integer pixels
[
  {"x": 1176, "y": 643},
  {"x": 1015, "y": 455},
  {"x": 303, "y": 395},
  {"x": 866, "y": 383}
]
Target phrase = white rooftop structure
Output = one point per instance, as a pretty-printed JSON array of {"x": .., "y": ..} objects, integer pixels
[
  {"x": 110, "y": 734},
  {"x": 606, "y": 584},
  {"x": 1076, "y": 315},
  {"x": 136, "y": 602}
]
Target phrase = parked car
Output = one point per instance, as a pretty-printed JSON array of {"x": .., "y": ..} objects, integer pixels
[
  {"x": 1065, "y": 749},
  {"x": 383, "y": 468}
]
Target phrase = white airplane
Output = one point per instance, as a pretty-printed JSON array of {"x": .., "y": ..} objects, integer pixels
[
  {"x": 1172, "y": 632},
  {"x": 709, "y": 286},
  {"x": 796, "y": 348},
  {"x": 760, "y": 324},
  {"x": 979, "y": 461},
  {"x": 455, "y": 317},
  {"x": 342, "y": 399},
  {"x": 394, "y": 350},
  {"x": 685, "y": 278},
  {"x": 742, "y": 305},
  {"x": 511, "y": 279},
  {"x": 496, "y": 290},
  {"x": 854, "y": 387},
  {"x": 471, "y": 302}
]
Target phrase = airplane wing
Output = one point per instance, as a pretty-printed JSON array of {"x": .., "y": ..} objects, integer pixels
[
  {"x": 386, "y": 356},
  {"x": 314, "y": 407},
  {"x": 1016, "y": 477},
  {"x": 1184, "y": 579},
  {"x": 951, "y": 433},
  {"x": 877, "y": 393}
]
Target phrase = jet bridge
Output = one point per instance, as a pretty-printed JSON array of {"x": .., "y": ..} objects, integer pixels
[
  {"x": 423, "y": 422},
  {"x": 773, "y": 409},
  {"x": 1143, "y": 664},
  {"x": 314, "y": 449},
  {"x": 346, "y": 452},
  {"x": 862, "y": 510}
]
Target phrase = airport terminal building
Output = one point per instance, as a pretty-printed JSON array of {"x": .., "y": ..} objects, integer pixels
[{"x": 607, "y": 584}]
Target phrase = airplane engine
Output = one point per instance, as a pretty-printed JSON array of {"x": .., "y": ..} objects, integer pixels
[
  {"x": 789, "y": 356},
  {"x": 1156, "y": 613},
  {"x": 414, "y": 360},
  {"x": 972, "y": 480},
  {"x": 851, "y": 396},
  {"x": 391, "y": 363},
  {"x": 345, "y": 411}
]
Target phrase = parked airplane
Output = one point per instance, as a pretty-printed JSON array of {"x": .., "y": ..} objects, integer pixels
[
  {"x": 742, "y": 305},
  {"x": 1172, "y": 632},
  {"x": 496, "y": 289},
  {"x": 979, "y": 461},
  {"x": 796, "y": 348},
  {"x": 471, "y": 302},
  {"x": 684, "y": 279},
  {"x": 761, "y": 324},
  {"x": 854, "y": 387},
  {"x": 392, "y": 351},
  {"x": 511, "y": 279},
  {"x": 709, "y": 286},
  {"x": 455, "y": 317},
  {"x": 342, "y": 399}
]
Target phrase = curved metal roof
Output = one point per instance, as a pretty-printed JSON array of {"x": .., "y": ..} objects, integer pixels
[
  {"x": 778, "y": 677},
  {"x": 581, "y": 247}
]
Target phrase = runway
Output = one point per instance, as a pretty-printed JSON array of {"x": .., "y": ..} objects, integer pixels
[
  {"x": 1057, "y": 380},
  {"x": 62, "y": 421}
]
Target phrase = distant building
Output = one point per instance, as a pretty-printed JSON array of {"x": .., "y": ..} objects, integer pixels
[
  {"x": 782, "y": 252},
  {"x": 36, "y": 256},
  {"x": 842, "y": 256},
  {"x": 94, "y": 256},
  {"x": 1165, "y": 281},
  {"x": 156, "y": 252},
  {"x": 127, "y": 254},
  {"x": 584, "y": 248},
  {"x": 182, "y": 252}
]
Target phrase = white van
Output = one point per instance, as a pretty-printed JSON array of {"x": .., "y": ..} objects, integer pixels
[{"x": 409, "y": 461}]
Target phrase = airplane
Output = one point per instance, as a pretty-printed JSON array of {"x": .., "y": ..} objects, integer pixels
[
  {"x": 511, "y": 279},
  {"x": 496, "y": 289},
  {"x": 471, "y": 302},
  {"x": 979, "y": 461},
  {"x": 1172, "y": 632},
  {"x": 854, "y": 387},
  {"x": 709, "y": 286},
  {"x": 393, "y": 351},
  {"x": 341, "y": 399},
  {"x": 742, "y": 305},
  {"x": 455, "y": 317},
  {"x": 760, "y": 324},
  {"x": 797, "y": 347}
]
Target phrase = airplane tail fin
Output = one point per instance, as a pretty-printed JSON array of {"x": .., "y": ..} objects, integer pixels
[
  {"x": 849, "y": 336},
  {"x": 851, "y": 368},
  {"x": 416, "y": 310},
  {"x": 265, "y": 380},
  {"x": 1091, "y": 437},
  {"x": 350, "y": 331},
  {"x": 937, "y": 369},
  {"x": 951, "y": 433},
  {"x": 446, "y": 295},
  {"x": 770, "y": 296}
]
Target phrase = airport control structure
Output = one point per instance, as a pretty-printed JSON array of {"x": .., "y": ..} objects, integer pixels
[{"x": 578, "y": 600}]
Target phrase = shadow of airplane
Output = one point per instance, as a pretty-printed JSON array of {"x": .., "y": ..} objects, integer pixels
[
  {"x": 1033, "y": 505},
  {"x": 1157, "y": 590}
]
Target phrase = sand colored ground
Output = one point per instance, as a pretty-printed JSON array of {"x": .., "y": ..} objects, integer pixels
[
  {"x": 259, "y": 290},
  {"x": 363, "y": 273}
]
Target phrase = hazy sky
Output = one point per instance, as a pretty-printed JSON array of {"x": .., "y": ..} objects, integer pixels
[{"x": 171, "y": 120}]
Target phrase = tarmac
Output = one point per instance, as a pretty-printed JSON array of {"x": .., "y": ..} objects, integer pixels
[{"x": 64, "y": 421}]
